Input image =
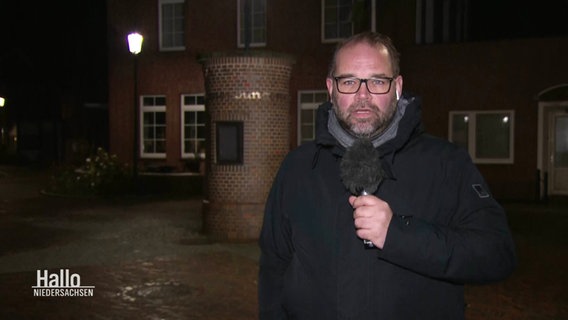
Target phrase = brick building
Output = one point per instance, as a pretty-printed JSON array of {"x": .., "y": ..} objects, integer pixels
[{"x": 505, "y": 99}]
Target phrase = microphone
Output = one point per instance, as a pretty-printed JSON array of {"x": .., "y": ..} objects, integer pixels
[{"x": 361, "y": 170}]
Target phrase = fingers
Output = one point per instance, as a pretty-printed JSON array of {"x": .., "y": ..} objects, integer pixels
[{"x": 371, "y": 218}]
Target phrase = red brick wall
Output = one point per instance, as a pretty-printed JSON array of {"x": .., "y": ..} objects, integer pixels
[{"x": 252, "y": 90}]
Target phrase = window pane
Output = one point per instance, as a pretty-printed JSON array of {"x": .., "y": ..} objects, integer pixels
[
  {"x": 160, "y": 132},
  {"x": 307, "y": 132},
  {"x": 190, "y": 117},
  {"x": 201, "y": 132},
  {"x": 321, "y": 97},
  {"x": 148, "y": 118},
  {"x": 307, "y": 116},
  {"x": 160, "y": 117},
  {"x": 201, "y": 117},
  {"x": 160, "y": 146},
  {"x": 492, "y": 135},
  {"x": 160, "y": 101}
]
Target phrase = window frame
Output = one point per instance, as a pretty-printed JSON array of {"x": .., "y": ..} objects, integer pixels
[
  {"x": 240, "y": 26},
  {"x": 152, "y": 109},
  {"x": 308, "y": 106},
  {"x": 161, "y": 4},
  {"x": 354, "y": 26},
  {"x": 191, "y": 108},
  {"x": 472, "y": 134}
]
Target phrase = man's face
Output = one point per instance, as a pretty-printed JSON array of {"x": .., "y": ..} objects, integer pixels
[{"x": 362, "y": 113}]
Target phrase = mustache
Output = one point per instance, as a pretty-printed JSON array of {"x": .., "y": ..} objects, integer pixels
[{"x": 363, "y": 105}]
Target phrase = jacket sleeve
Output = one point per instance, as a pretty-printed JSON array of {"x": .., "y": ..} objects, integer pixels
[
  {"x": 473, "y": 246},
  {"x": 275, "y": 254}
]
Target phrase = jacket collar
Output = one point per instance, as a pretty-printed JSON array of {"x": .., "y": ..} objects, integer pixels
[{"x": 409, "y": 126}]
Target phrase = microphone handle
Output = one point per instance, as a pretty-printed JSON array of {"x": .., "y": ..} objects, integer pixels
[{"x": 368, "y": 243}]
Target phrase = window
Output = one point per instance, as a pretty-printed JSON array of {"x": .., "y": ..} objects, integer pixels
[
  {"x": 343, "y": 18},
  {"x": 172, "y": 25},
  {"x": 487, "y": 135},
  {"x": 252, "y": 23},
  {"x": 308, "y": 104},
  {"x": 442, "y": 21},
  {"x": 153, "y": 128},
  {"x": 193, "y": 126}
]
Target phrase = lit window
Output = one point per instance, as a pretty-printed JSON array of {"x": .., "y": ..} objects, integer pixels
[{"x": 487, "y": 135}]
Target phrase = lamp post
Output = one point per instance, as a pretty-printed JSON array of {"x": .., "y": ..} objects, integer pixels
[{"x": 135, "y": 47}]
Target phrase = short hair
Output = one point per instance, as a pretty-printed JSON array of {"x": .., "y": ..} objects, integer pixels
[{"x": 374, "y": 39}]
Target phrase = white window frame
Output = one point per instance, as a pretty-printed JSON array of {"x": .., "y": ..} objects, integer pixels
[
  {"x": 240, "y": 26},
  {"x": 308, "y": 106},
  {"x": 472, "y": 127},
  {"x": 151, "y": 109},
  {"x": 190, "y": 108},
  {"x": 161, "y": 4},
  {"x": 323, "y": 20}
]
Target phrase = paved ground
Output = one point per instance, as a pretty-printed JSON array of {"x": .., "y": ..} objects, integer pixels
[{"x": 147, "y": 260}]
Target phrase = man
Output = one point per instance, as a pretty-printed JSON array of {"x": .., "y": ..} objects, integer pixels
[{"x": 432, "y": 222}]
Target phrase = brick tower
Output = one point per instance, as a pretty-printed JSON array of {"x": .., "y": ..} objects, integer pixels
[{"x": 247, "y": 100}]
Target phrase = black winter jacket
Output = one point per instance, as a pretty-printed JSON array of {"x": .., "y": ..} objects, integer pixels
[{"x": 447, "y": 231}]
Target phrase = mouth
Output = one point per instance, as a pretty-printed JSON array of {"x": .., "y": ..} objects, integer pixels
[{"x": 362, "y": 113}]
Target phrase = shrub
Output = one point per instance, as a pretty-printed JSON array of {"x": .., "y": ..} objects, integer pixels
[{"x": 100, "y": 174}]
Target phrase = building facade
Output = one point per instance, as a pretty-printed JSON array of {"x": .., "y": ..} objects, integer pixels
[{"x": 504, "y": 100}]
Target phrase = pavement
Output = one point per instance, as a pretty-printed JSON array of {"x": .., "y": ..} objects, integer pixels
[{"x": 146, "y": 259}]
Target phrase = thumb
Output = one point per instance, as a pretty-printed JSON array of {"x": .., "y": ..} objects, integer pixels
[{"x": 352, "y": 200}]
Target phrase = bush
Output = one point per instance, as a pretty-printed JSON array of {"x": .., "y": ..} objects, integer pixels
[{"x": 100, "y": 174}]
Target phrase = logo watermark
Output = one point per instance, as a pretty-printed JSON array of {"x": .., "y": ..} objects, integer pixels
[{"x": 62, "y": 284}]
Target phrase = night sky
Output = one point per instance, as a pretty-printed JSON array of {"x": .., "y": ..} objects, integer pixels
[{"x": 54, "y": 47}]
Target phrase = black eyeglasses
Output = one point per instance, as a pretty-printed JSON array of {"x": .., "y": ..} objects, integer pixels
[{"x": 376, "y": 85}]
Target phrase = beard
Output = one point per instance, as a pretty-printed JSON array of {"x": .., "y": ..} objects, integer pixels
[{"x": 364, "y": 128}]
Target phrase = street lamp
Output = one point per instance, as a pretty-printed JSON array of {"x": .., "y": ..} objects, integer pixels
[
  {"x": 2, "y": 103},
  {"x": 135, "y": 47}
]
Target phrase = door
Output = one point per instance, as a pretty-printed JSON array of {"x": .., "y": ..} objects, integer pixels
[{"x": 558, "y": 183}]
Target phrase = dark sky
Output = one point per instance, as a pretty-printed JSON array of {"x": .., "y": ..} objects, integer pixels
[
  {"x": 513, "y": 19},
  {"x": 59, "y": 44}
]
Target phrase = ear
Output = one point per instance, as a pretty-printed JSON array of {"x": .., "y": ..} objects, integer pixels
[
  {"x": 398, "y": 87},
  {"x": 329, "y": 84}
]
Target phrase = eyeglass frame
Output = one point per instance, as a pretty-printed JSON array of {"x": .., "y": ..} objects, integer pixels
[{"x": 361, "y": 81}]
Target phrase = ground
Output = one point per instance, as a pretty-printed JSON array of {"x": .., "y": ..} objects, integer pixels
[{"x": 147, "y": 260}]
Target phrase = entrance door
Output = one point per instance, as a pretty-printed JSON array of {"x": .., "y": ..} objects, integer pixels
[{"x": 558, "y": 172}]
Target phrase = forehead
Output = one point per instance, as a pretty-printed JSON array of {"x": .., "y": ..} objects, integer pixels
[{"x": 363, "y": 59}]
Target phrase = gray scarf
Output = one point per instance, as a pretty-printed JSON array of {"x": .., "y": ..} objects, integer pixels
[{"x": 346, "y": 139}]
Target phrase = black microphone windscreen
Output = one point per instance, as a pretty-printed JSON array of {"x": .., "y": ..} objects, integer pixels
[{"x": 361, "y": 169}]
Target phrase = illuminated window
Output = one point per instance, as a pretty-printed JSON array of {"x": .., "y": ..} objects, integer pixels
[{"x": 487, "y": 135}]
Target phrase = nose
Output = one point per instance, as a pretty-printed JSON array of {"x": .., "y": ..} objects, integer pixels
[{"x": 363, "y": 92}]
